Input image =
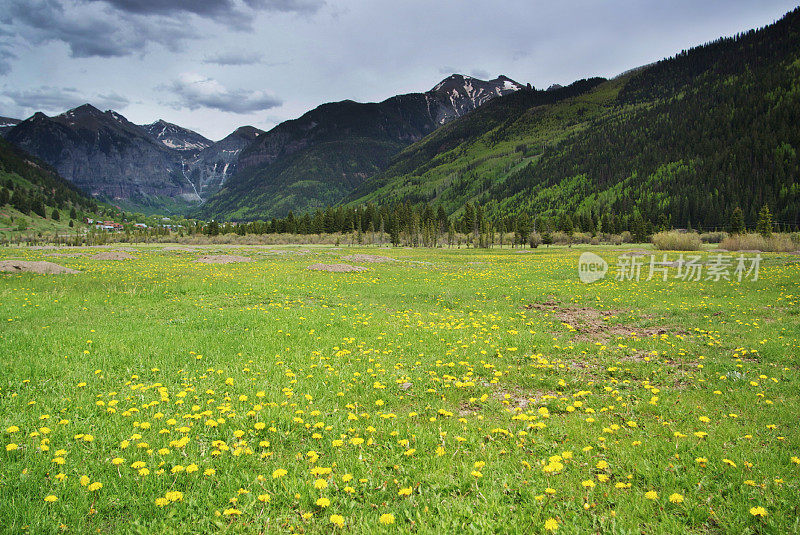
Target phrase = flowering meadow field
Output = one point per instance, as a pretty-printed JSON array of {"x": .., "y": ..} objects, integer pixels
[{"x": 473, "y": 391}]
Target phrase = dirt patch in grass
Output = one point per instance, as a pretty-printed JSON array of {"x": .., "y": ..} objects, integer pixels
[
  {"x": 22, "y": 266},
  {"x": 368, "y": 258},
  {"x": 223, "y": 259},
  {"x": 591, "y": 324},
  {"x": 335, "y": 268},
  {"x": 67, "y": 255},
  {"x": 113, "y": 255}
]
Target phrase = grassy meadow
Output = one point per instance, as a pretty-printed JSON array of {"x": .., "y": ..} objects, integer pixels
[{"x": 453, "y": 390}]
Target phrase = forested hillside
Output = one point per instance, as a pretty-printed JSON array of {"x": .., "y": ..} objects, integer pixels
[
  {"x": 680, "y": 143},
  {"x": 31, "y": 186}
]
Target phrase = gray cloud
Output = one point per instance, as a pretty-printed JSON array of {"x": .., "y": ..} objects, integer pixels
[
  {"x": 235, "y": 58},
  {"x": 210, "y": 8},
  {"x": 196, "y": 91},
  {"x": 89, "y": 32},
  {"x": 58, "y": 99},
  {"x": 479, "y": 73},
  {"x": 114, "y": 28}
]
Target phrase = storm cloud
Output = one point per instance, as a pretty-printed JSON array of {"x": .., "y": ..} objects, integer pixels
[{"x": 196, "y": 91}]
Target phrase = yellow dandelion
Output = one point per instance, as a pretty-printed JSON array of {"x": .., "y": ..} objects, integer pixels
[
  {"x": 758, "y": 511},
  {"x": 386, "y": 519},
  {"x": 676, "y": 498},
  {"x": 280, "y": 472}
]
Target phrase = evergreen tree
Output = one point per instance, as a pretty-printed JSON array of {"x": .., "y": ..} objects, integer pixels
[
  {"x": 736, "y": 224},
  {"x": 54, "y": 215},
  {"x": 764, "y": 225}
]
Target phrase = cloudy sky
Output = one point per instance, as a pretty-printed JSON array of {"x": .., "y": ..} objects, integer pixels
[{"x": 214, "y": 65}]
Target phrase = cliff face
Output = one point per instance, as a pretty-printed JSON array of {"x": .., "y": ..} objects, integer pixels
[{"x": 211, "y": 167}]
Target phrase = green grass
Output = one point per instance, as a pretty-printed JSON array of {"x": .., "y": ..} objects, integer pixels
[
  {"x": 141, "y": 353},
  {"x": 10, "y": 227}
]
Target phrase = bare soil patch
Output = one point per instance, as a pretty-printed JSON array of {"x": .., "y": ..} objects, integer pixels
[
  {"x": 368, "y": 258},
  {"x": 593, "y": 325},
  {"x": 335, "y": 268},
  {"x": 113, "y": 255},
  {"x": 22, "y": 266},
  {"x": 223, "y": 259}
]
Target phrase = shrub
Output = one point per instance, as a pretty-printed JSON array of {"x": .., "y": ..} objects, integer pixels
[
  {"x": 713, "y": 237},
  {"x": 677, "y": 241},
  {"x": 756, "y": 242},
  {"x": 534, "y": 239}
]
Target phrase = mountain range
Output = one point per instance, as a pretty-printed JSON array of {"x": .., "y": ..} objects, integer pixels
[
  {"x": 683, "y": 141},
  {"x": 303, "y": 163}
]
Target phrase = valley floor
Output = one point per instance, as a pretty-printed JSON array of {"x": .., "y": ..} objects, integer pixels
[{"x": 444, "y": 391}]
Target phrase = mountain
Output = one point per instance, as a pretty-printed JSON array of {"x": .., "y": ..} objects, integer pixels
[
  {"x": 211, "y": 167},
  {"x": 176, "y": 137},
  {"x": 680, "y": 142},
  {"x": 108, "y": 157},
  {"x": 321, "y": 157},
  {"x": 7, "y": 123}
]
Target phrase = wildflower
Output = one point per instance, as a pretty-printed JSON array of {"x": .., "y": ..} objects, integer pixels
[
  {"x": 95, "y": 486},
  {"x": 386, "y": 518},
  {"x": 116, "y": 461},
  {"x": 551, "y": 524},
  {"x": 85, "y": 480},
  {"x": 676, "y": 498},
  {"x": 51, "y": 498},
  {"x": 320, "y": 484},
  {"x": 209, "y": 472},
  {"x": 404, "y": 491},
  {"x": 589, "y": 484},
  {"x": 231, "y": 512},
  {"x": 280, "y": 472},
  {"x": 11, "y": 447},
  {"x": 323, "y": 502},
  {"x": 651, "y": 495},
  {"x": 174, "y": 496},
  {"x": 337, "y": 520},
  {"x": 729, "y": 463},
  {"x": 264, "y": 498},
  {"x": 758, "y": 511}
]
